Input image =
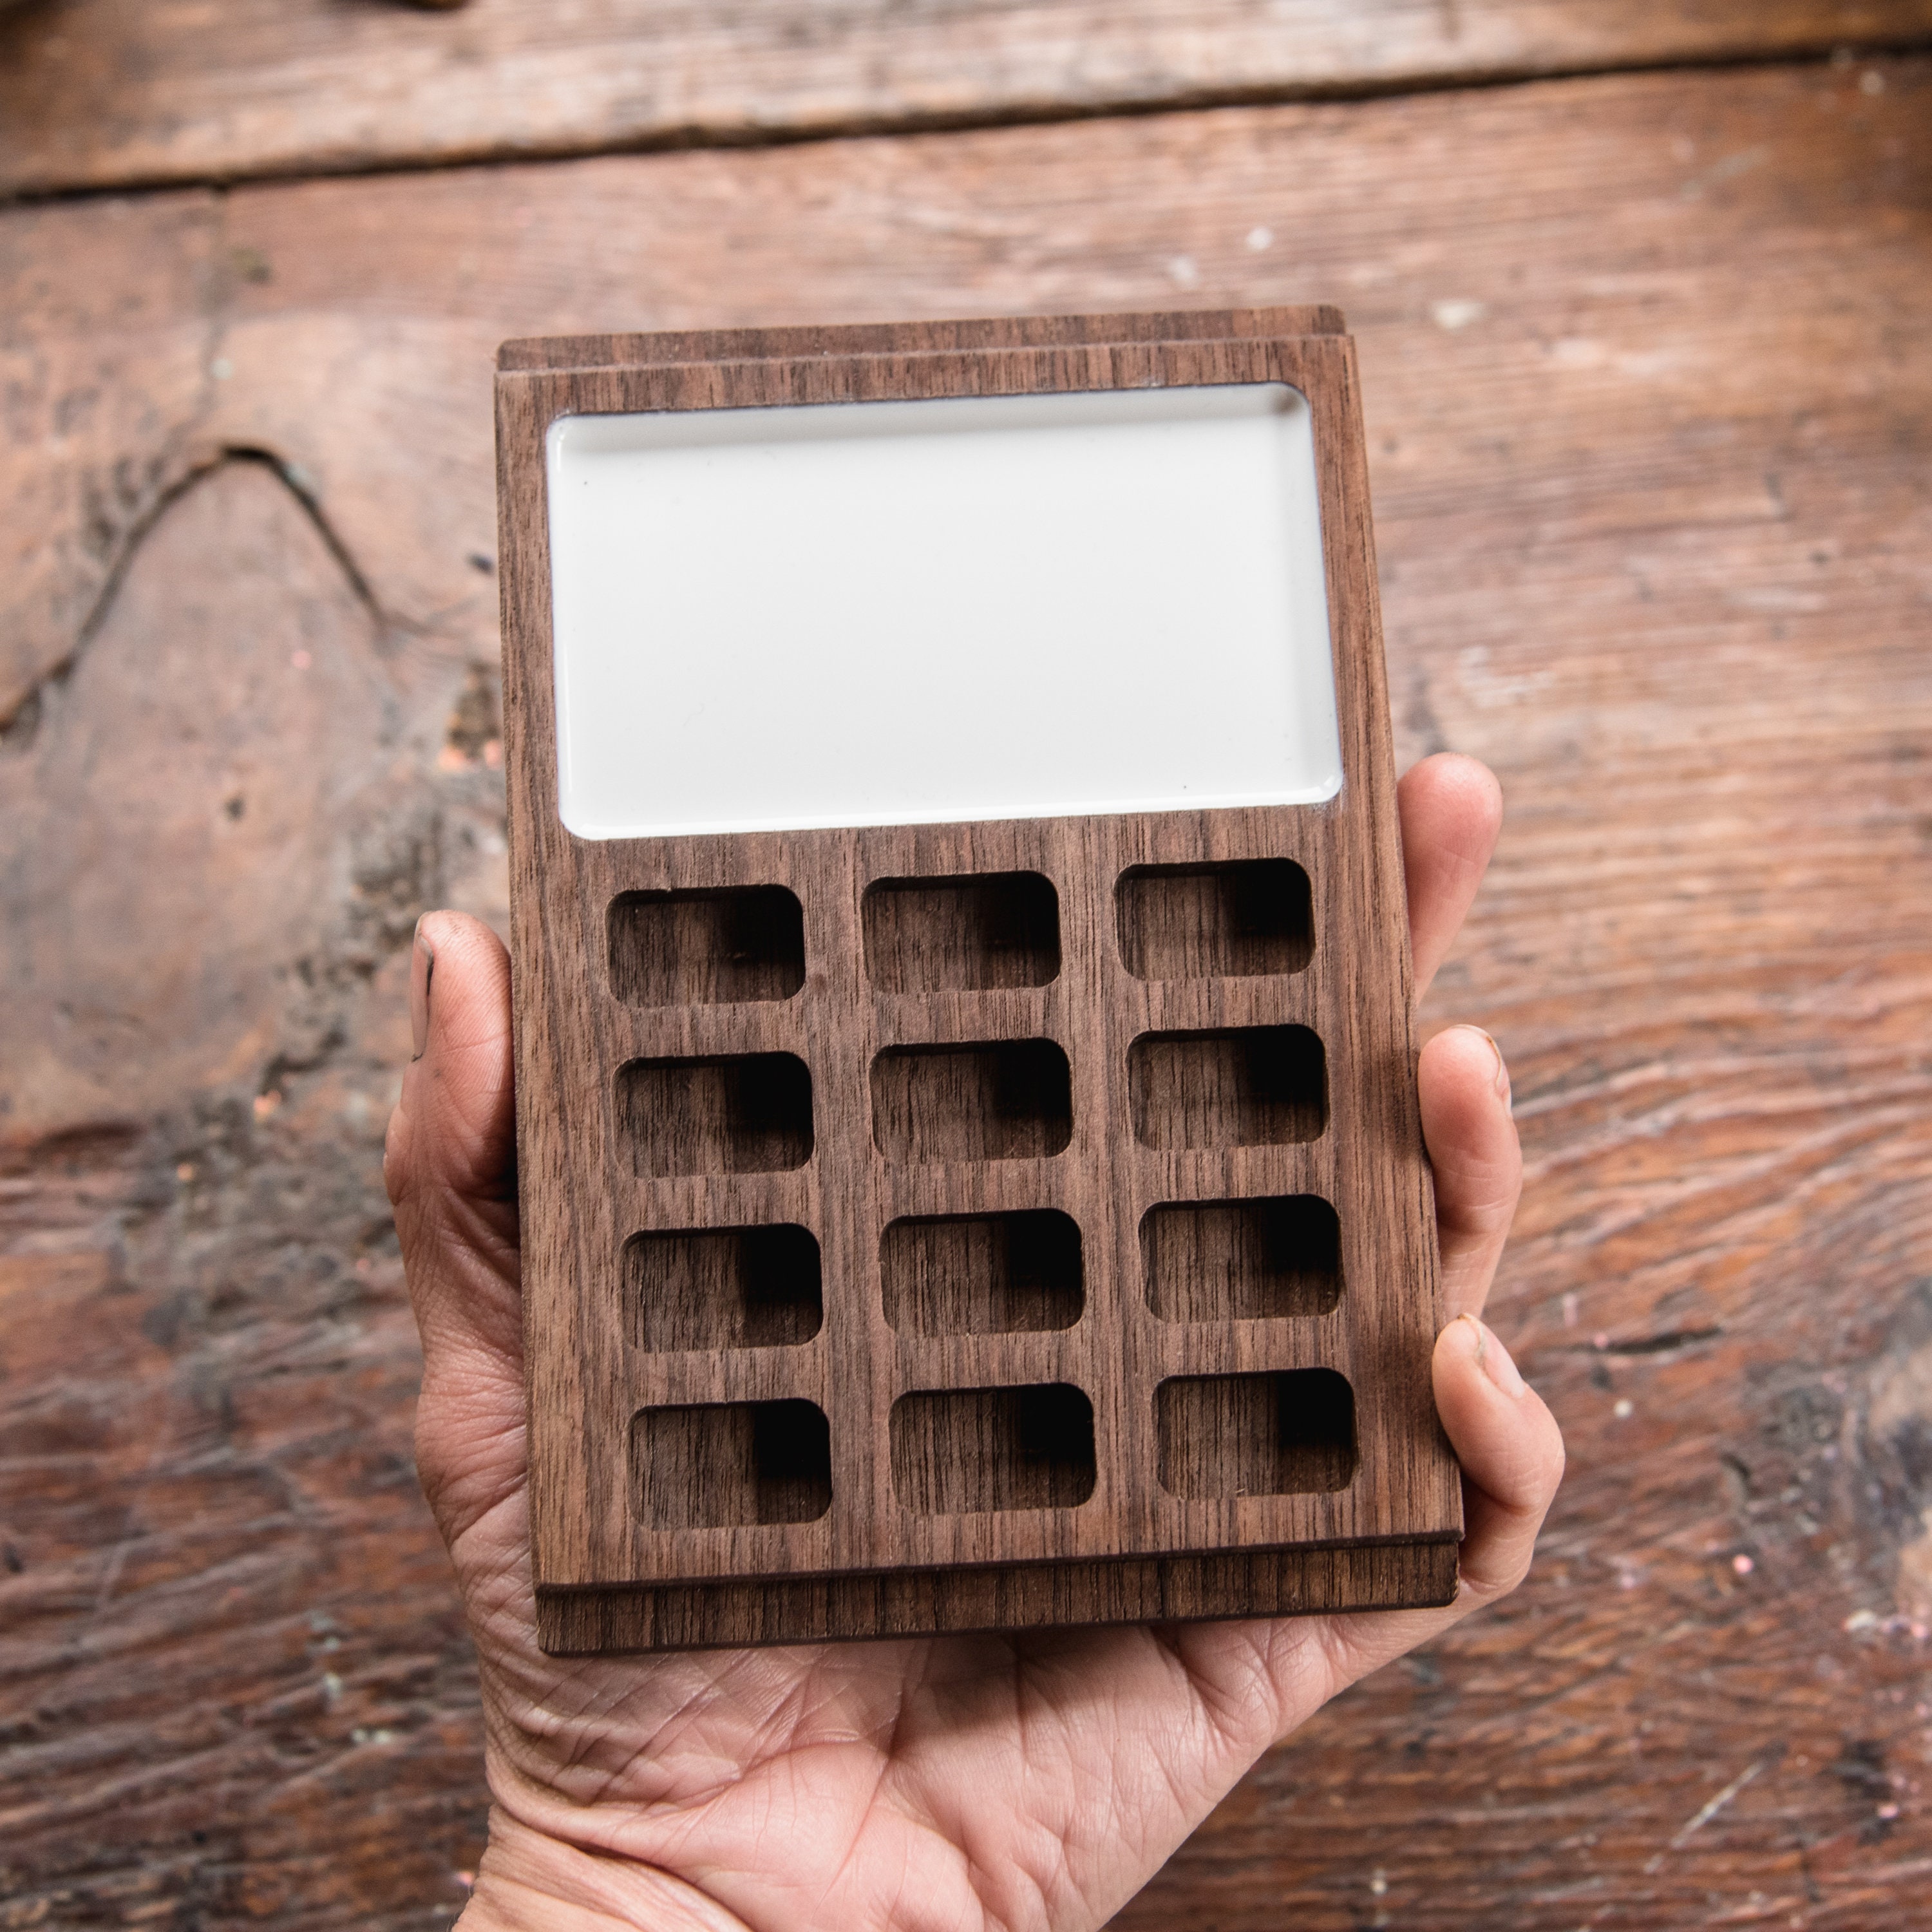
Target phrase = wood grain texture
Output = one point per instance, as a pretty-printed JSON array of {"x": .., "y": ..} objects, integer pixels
[
  {"x": 861, "y": 1101},
  {"x": 1031, "y": 1596},
  {"x": 1008, "y": 1272},
  {"x": 1650, "y": 428},
  {"x": 961, "y": 935},
  {"x": 109, "y": 93}
]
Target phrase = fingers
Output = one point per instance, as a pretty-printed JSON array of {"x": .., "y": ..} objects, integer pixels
[
  {"x": 455, "y": 1131},
  {"x": 1451, "y": 809},
  {"x": 1511, "y": 1452},
  {"x": 450, "y": 1163},
  {"x": 1507, "y": 1440},
  {"x": 1473, "y": 1147}
]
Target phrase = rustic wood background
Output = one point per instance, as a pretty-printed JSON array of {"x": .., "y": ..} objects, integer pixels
[{"x": 1641, "y": 293}]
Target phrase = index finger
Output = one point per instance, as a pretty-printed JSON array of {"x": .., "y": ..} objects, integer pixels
[{"x": 1451, "y": 809}]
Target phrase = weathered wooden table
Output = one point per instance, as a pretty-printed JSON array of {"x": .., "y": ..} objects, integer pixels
[{"x": 1641, "y": 296}]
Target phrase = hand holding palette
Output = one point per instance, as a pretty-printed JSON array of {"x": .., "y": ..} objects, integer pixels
[{"x": 971, "y": 1175}]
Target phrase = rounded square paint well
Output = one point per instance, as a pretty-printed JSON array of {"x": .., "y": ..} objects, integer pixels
[{"x": 902, "y": 612}]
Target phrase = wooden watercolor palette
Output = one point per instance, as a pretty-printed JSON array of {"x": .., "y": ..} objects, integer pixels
[{"x": 1008, "y": 1218}]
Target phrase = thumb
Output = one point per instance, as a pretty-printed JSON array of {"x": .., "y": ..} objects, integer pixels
[
  {"x": 454, "y": 1131},
  {"x": 450, "y": 1164}
]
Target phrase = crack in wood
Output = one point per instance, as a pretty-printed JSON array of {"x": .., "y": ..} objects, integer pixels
[{"x": 18, "y": 726}]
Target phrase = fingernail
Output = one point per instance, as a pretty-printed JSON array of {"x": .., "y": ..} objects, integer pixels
[
  {"x": 422, "y": 963},
  {"x": 1502, "y": 1079},
  {"x": 1495, "y": 1359}
]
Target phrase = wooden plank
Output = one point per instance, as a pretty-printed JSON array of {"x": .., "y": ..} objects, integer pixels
[
  {"x": 620, "y": 1446},
  {"x": 1649, "y": 430},
  {"x": 111, "y": 93}
]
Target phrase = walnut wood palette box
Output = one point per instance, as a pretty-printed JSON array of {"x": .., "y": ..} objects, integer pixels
[{"x": 971, "y": 1175}]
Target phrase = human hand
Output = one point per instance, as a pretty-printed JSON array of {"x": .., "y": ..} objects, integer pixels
[{"x": 1028, "y": 1780}]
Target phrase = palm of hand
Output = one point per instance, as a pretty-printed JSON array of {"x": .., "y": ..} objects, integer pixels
[{"x": 1036, "y": 1779}]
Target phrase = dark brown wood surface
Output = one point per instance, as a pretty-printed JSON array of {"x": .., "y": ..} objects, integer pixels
[
  {"x": 1650, "y": 433},
  {"x": 102, "y": 93},
  {"x": 849, "y": 1105}
]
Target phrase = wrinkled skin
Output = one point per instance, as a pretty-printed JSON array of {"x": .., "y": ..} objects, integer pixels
[{"x": 961, "y": 1782}]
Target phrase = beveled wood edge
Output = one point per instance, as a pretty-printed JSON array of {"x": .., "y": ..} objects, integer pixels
[
  {"x": 1077, "y": 1594},
  {"x": 556, "y": 354}
]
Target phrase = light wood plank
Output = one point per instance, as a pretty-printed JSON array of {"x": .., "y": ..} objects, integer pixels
[{"x": 107, "y": 93}]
